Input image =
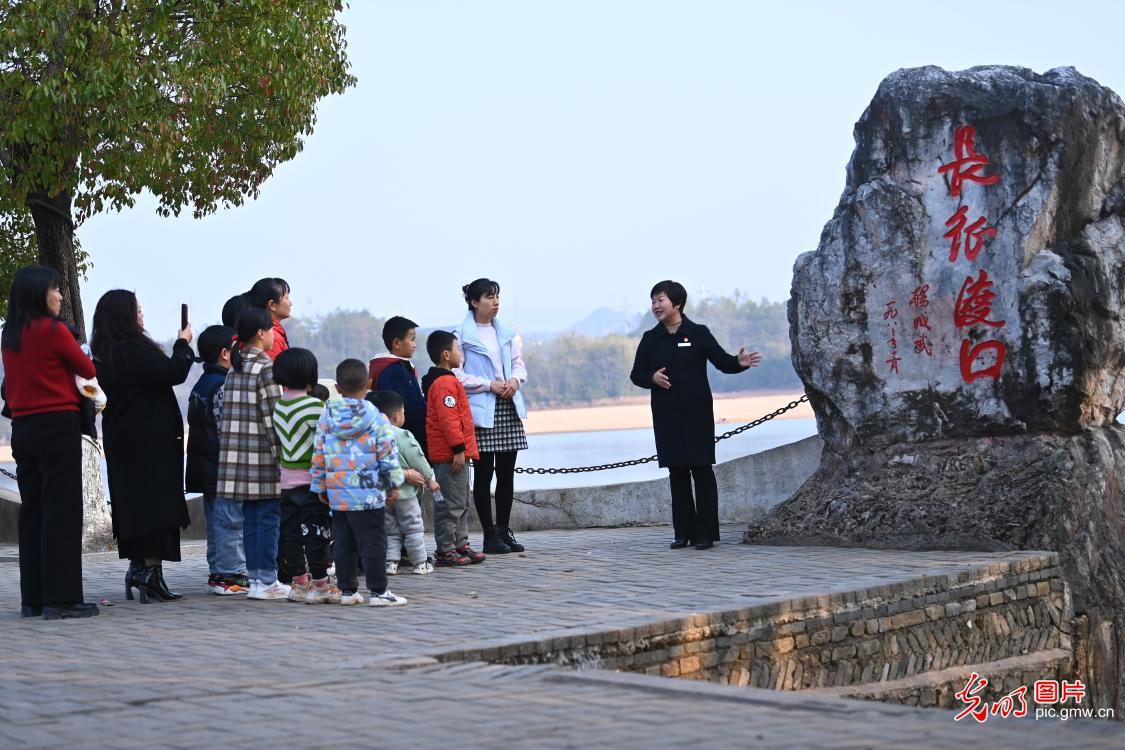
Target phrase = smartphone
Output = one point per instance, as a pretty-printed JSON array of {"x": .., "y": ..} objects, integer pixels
[{"x": 183, "y": 317}]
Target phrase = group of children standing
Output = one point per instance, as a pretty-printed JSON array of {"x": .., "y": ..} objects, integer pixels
[{"x": 294, "y": 479}]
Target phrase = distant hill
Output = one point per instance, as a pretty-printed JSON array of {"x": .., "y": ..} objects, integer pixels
[{"x": 605, "y": 322}]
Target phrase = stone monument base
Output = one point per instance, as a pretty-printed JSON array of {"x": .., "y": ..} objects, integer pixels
[{"x": 1053, "y": 492}]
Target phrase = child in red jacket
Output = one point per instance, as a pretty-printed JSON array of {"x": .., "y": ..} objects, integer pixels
[{"x": 452, "y": 439}]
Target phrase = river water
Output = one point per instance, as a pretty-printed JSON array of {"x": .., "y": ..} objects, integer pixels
[{"x": 590, "y": 448}]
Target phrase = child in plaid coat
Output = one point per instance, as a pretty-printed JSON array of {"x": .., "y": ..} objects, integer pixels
[{"x": 249, "y": 468}]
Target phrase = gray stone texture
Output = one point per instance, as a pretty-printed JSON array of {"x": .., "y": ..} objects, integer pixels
[
  {"x": 1057, "y": 143},
  {"x": 921, "y": 459}
]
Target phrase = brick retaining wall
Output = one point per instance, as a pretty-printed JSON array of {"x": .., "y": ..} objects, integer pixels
[{"x": 872, "y": 635}]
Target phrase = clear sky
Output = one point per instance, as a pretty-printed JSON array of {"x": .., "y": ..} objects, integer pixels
[{"x": 577, "y": 151}]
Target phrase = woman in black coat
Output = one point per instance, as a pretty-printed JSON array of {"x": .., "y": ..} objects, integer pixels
[
  {"x": 143, "y": 432},
  {"x": 672, "y": 362}
]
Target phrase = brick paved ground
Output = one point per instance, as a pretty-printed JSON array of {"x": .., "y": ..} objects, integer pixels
[{"x": 173, "y": 675}]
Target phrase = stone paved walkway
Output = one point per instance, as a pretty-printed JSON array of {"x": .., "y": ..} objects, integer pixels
[{"x": 177, "y": 674}]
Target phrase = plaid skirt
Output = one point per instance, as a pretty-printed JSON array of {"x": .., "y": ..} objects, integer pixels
[{"x": 506, "y": 434}]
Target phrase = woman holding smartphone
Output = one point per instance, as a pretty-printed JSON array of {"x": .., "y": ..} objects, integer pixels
[{"x": 143, "y": 432}]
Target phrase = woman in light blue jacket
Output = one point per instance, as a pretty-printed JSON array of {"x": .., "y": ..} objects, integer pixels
[{"x": 493, "y": 374}]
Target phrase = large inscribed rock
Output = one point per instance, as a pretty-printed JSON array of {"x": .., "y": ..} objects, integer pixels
[{"x": 960, "y": 330}]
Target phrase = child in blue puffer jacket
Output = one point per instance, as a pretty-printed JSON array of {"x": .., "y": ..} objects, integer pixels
[{"x": 355, "y": 471}]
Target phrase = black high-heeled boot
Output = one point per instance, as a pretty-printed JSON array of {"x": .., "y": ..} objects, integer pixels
[
  {"x": 132, "y": 578},
  {"x": 167, "y": 594},
  {"x": 151, "y": 586}
]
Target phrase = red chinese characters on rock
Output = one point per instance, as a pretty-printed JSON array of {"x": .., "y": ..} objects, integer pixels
[
  {"x": 973, "y": 307},
  {"x": 919, "y": 300},
  {"x": 967, "y": 164},
  {"x": 969, "y": 236},
  {"x": 974, "y": 303},
  {"x": 890, "y": 314}
]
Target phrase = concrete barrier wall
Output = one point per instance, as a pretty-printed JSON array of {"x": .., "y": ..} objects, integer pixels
[{"x": 748, "y": 487}]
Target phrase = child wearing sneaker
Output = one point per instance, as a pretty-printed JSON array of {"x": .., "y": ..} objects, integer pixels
[
  {"x": 355, "y": 471},
  {"x": 226, "y": 556},
  {"x": 452, "y": 439},
  {"x": 249, "y": 473},
  {"x": 404, "y": 516},
  {"x": 304, "y": 519}
]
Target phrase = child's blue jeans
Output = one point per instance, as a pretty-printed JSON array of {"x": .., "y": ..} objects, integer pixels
[
  {"x": 226, "y": 552},
  {"x": 261, "y": 526}
]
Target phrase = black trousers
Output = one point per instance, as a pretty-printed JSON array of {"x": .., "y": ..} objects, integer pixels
[
  {"x": 695, "y": 518},
  {"x": 360, "y": 533},
  {"x": 305, "y": 533},
  {"x": 48, "y": 452},
  {"x": 503, "y": 465}
]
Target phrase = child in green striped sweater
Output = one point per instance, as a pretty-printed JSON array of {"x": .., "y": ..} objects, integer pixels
[{"x": 305, "y": 524}]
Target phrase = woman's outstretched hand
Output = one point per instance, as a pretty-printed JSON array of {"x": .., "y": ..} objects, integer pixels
[
  {"x": 660, "y": 379},
  {"x": 185, "y": 334},
  {"x": 748, "y": 359}
]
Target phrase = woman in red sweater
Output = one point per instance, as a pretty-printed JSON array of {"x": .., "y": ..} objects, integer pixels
[{"x": 41, "y": 359}]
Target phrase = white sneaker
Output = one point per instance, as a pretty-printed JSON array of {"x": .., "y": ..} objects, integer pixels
[
  {"x": 349, "y": 599},
  {"x": 392, "y": 567},
  {"x": 276, "y": 590},
  {"x": 387, "y": 599},
  {"x": 422, "y": 569}
]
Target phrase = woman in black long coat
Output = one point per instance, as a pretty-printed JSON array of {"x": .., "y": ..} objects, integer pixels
[
  {"x": 143, "y": 432},
  {"x": 672, "y": 362}
]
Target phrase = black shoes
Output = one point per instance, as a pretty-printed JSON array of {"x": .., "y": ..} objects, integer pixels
[
  {"x": 151, "y": 585},
  {"x": 132, "y": 579},
  {"x": 508, "y": 538},
  {"x": 680, "y": 544},
  {"x": 70, "y": 611},
  {"x": 708, "y": 544},
  {"x": 494, "y": 544},
  {"x": 26, "y": 611}
]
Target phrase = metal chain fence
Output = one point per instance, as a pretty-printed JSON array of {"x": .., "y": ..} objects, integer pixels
[
  {"x": 622, "y": 464},
  {"x": 650, "y": 459}
]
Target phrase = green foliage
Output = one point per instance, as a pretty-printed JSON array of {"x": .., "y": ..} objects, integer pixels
[
  {"x": 196, "y": 101},
  {"x": 337, "y": 336},
  {"x": 572, "y": 369},
  {"x": 578, "y": 369},
  {"x": 738, "y": 321}
]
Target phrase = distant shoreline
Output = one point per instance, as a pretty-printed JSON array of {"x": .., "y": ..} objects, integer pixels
[{"x": 633, "y": 413}]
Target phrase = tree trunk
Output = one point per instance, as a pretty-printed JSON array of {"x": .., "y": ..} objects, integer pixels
[{"x": 54, "y": 229}]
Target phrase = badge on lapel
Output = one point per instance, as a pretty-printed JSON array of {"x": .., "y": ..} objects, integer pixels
[{"x": 685, "y": 342}]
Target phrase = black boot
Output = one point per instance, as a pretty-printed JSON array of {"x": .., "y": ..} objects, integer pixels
[
  {"x": 132, "y": 578},
  {"x": 168, "y": 596},
  {"x": 508, "y": 538},
  {"x": 151, "y": 586},
  {"x": 493, "y": 544}
]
